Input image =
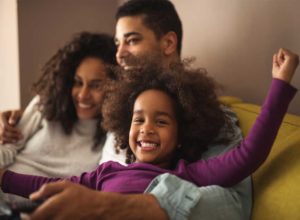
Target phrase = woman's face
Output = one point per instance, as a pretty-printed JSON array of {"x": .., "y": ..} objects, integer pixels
[
  {"x": 153, "y": 136},
  {"x": 87, "y": 89}
]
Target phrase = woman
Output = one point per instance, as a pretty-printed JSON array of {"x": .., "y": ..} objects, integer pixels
[{"x": 61, "y": 125}]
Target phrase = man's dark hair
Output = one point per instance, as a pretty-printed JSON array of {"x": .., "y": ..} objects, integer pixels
[{"x": 158, "y": 15}]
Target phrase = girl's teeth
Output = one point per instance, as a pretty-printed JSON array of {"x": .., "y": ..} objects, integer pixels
[{"x": 147, "y": 144}]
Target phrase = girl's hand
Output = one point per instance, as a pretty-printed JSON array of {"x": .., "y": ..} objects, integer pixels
[{"x": 284, "y": 65}]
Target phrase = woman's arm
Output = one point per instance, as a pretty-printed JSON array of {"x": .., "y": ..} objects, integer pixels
[
  {"x": 28, "y": 124},
  {"x": 8, "y": 132}
]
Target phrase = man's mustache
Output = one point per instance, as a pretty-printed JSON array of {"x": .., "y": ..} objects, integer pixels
[
  {"x": 131, "y": 61},
  {"x": 134, "y": 62}
]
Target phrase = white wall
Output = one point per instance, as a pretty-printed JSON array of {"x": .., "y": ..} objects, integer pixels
[
  {"x": 9, "y": 56},
  {"x": 235, "y": 40}
]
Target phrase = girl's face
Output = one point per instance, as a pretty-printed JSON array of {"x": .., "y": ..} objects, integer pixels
[
  {"x": 154, "y": 129},
  {"x": 87, "y": 89}
]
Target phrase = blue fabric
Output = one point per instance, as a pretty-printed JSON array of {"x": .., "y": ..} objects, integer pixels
[{"x": 183, "y": 200}]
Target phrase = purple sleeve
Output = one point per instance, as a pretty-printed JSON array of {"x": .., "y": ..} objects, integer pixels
[
  {"x": 24, "y": 185},
  {"x": 240, "y": 162}
]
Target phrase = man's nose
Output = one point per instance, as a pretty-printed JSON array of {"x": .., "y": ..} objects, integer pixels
[{"x": 122, "y": 51}]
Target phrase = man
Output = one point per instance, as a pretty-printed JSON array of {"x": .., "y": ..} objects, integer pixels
[{"x": 145, "y": 29}]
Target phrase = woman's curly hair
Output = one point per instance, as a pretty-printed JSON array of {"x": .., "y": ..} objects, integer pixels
[
  {"x": 55, "y": 84},
  {"x": 199, "y": 114}
]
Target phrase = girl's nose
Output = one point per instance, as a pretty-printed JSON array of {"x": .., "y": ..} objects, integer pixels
[{"x": 147, "y": 129}]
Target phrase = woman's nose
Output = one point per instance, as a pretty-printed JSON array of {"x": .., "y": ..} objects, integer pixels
[{"x": 84, "y": 93}]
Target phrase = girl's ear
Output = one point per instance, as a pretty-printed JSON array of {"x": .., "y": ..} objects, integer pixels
[{"x": 169, "y": 43}]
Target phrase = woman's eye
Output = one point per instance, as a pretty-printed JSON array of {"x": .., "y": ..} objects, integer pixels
[
  {"x": 96, "y": 86},
  {"x": 77, "y": 83}
]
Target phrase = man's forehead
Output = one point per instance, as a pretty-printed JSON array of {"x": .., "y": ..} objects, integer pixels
[
  {"x": 130, "y": 25},
  {"x": 130, "y": 34}
]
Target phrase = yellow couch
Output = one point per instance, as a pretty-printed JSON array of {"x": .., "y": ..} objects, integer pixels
[{"x": 276, "y": 184}]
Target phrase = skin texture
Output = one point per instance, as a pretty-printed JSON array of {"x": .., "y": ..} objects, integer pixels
[
  {"x": 87, "y": 89},
  {"x": 154, "y": 128},
  {"x": 285, "y": 63},
  {"x": 135, "y": 41}
]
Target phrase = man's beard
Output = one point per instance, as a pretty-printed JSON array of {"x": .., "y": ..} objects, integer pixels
[{"x": 135, "y": 62}]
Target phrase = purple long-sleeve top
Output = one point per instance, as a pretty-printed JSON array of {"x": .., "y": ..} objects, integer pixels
[{"x": 225, "y": 170}]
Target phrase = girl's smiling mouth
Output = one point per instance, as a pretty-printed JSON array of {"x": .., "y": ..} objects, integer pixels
[{"x": 147, "y": 145}]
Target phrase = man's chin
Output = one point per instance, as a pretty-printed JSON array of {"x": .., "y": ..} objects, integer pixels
[{"x": 130, "y": 67}]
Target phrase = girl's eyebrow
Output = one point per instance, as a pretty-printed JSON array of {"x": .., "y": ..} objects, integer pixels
[
  {"x": 138, "y": 112},
  {"x": 160, "y": 113},
  {"x": 157, "y": 113}
]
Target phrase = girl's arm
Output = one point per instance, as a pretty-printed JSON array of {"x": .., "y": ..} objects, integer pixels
[
  {"x": 24, "y": 185},
  {"x": 238, "y": 163}
]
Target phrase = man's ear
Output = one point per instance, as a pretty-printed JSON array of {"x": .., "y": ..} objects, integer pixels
[{"x": 169, "y": 43}]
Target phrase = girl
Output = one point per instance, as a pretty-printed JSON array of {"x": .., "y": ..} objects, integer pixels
[
  {"x": 61, "y": 125},
  {"x": 160, "y": 117}
]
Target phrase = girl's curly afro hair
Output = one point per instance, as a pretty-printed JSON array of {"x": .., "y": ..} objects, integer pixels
[{"x": 199, "y": 114}]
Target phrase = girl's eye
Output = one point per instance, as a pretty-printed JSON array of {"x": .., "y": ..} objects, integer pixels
[
  {"x": 162, "y": 122},
  {"x": 138, "y": 120}
]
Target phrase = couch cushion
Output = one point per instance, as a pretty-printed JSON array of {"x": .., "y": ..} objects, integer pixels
[{"x": 276, "y": 184}]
